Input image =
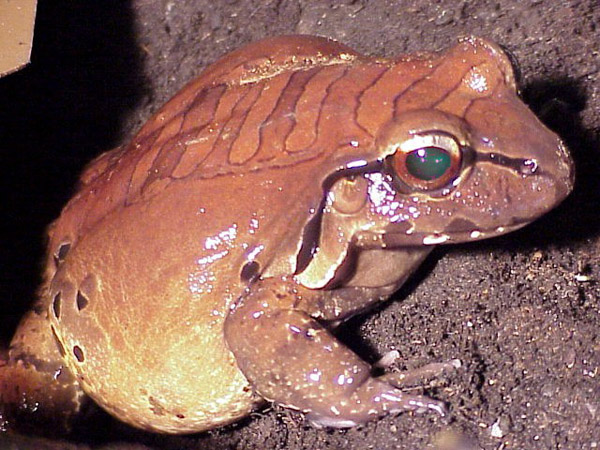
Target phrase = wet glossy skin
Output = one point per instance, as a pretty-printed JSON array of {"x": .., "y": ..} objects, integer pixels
[{"x": 196, "y": 271}]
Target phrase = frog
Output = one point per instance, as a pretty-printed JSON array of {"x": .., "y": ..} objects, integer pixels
[{"x": 201, "y": 270}]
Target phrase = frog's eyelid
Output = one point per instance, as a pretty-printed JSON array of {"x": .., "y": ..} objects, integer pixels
[{"x": 438, "y": 132}]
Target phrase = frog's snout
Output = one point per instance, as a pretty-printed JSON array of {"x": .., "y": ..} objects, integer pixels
[
  {"x": 565, "y": 172},
  {"x": 551, "y": 171},
  {"x": 547, "y": 178}
]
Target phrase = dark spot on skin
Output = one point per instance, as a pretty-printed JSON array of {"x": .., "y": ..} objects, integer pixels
[
  {"x": 61, "y": 253},
  {"x": 38, "y": 309},
  {"x": 56, "y": 305},
  {"x": 86, "y": 291},
  {"x": 275, "y": 315},
  {"x": 403, "y": 227},
  {"x": 461, "y": 225},
  {"x": 249, "y": 271},
  {"x": 180, "y": 416},
  {"x": 82, "y": 301},
  {"x": 78, "y": 352},
  {"x": 61, "y": 349},
  {"x": 156, "y": 408}
]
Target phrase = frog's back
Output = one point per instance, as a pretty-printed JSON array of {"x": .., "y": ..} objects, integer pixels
[{"x": 238, "y": 116}]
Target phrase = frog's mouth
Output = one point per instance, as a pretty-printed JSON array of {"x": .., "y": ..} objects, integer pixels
[{"x": 467, "y": 232}]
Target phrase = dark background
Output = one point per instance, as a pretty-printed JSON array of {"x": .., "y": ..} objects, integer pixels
[{"x": 522, "y": 312}]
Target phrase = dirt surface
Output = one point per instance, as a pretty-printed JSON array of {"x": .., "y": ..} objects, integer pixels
[{"x": 522, "y": 312}]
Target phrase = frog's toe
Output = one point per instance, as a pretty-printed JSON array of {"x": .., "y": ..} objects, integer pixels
[
  {"x": 373, "y": 399},
  {"x": 417, "y": 403},
  {"x": 419, "y": 375}
]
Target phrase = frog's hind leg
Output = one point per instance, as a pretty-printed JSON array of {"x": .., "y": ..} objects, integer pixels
[
  {"x": 291, "y": 359},
  {"x": 37, "y": 392}
]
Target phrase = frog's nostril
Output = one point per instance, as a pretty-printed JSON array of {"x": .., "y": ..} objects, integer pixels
[
  {"x": 528, "y": 167},
  {"x": 56, "y": 304}
]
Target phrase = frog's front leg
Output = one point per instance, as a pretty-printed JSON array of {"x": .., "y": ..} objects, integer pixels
[{"x": 293, "y": 360}]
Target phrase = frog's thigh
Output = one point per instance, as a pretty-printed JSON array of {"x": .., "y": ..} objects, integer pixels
[
  {"x": 36, "y": 388},
  {"x": 291, "y": 359}
]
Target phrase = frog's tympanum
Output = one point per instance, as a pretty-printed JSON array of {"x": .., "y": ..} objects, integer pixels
[{"x": 199, "y": 270}]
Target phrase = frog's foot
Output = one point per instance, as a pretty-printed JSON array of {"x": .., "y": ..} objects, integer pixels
[
  {"x": 38, "y": 401},
  {"x": 420, "y": 374},
  {"x": 38, "y": 393},
  {"x": 291, "y": 359},
  {"x": 372, "y": 399}
]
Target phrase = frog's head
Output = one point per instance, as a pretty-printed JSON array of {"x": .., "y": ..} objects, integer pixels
[
  {"x": 474, "y": 164},
  {"x": 458, "y": 158}
]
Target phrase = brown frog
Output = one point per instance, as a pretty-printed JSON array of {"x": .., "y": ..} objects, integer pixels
[{"x": 199, "y": 269}]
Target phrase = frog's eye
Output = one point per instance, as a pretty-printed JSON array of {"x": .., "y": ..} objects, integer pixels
[{"x": 428, "y": 161}]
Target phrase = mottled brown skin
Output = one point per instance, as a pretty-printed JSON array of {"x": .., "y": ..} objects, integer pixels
[{"x": 197, "y": 270}]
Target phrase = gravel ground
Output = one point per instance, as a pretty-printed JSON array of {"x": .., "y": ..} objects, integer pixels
[{"x": 522, "y": 312}]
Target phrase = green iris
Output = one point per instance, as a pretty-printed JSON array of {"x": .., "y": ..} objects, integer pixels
[{"x": 428, "y": 163}]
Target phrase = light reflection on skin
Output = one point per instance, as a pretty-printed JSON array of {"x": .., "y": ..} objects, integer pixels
[
  {"x": 477, "y": 82},
  {"x": 225, "y": 237},
  {"x": 219, "y": 245},
  {"x": 383, "y": 199},
  {"x": 202, "y": 280}
]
